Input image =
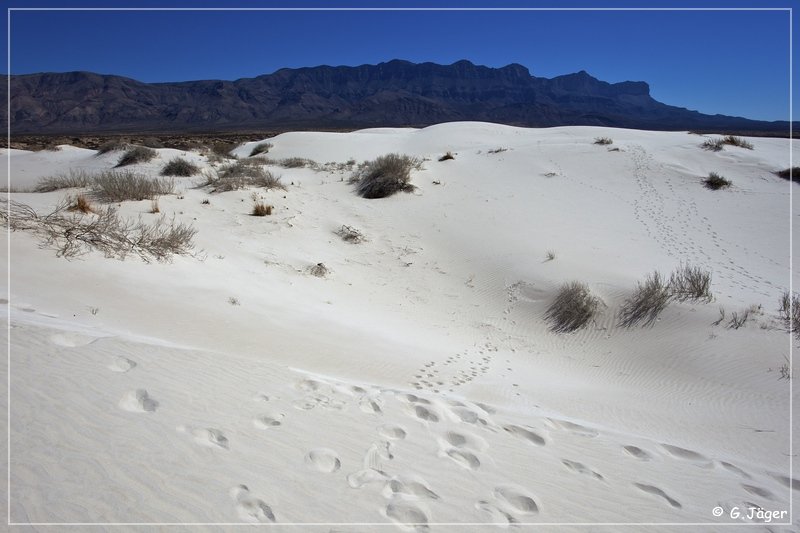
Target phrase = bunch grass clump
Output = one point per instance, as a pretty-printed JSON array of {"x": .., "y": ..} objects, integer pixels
[
  {"x": 136, "y": 155},
  {"x": 690, "y": 283},
  {"x": 179, "y": 167},
  {"x": 260, "y": 148},
  {"x": 647, "y": 302},
  {"x": 242, "y": 174},
  {"x": 350, "y": 234},
  {"x": 732, "y": 140},
  {"x": 260, "y": 209},
  {"x": 789, "y": 311},
  {"x": 385, "y": 176},
  {"x": 792, "y": 173},
  {"x": 716, "y": 182},
  {"x": 74, "y": 179},
  {"x": 713, "y": 145},
  {"x": 572, "y": 309},
  {"x": 447, "y": 157},
  {"x": 603, "y": 141},
  {"x": 119, "y": 186}
]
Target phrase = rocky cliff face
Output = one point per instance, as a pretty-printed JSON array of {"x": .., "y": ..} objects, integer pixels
[{"x": 396, "y": 93}]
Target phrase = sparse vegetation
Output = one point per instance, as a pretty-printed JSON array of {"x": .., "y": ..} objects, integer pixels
[
  {"x": 732, "y": 140},
  {"x": 792, "y": 174},
  {"x": 298, "y": 162},
  {"x": 646, "y": 303},
  {"x": 261, "y": 209},
  {"x": 118, "y": 186},
  {"x": 603, "y": 141},
  {"x": 715, "y": 182},
  {"x": 738, "y": 319},
  {"x": 74, "y": 179},
  {"x": 497, "y": 150},
  {"x": 233, "y": 301},
  {"x": 789, "y": 311},
  {"x": 81, "y": 204},
  {"x": 713, "y": 145},
  {"x": 721, "y": 317},
  {"x": 690, "y": 283},
  {"x": 319, "y": 270},
  {"x": 446, "y": 157},
  {"x": 350, "y": 234},
  {"x": 572, "y": 309},
  {"x": 260, "y": 148},
  {"x": 551, "y": 255},
  {"x": 385, "y": 176},
  {"x": 179, "y": 167},
  {"x": 136, "y": 155},
  {"x": 242, "y": 174},
  {"x": 112, "y": 146},
  {"x": 785, "y": 369},
  {"x": 106, "y": 231}
]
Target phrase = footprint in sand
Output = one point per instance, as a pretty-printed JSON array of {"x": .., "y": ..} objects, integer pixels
[
  {"x": 525, "y": 434},
  {"x": 376, "y": 454},
  {"x": 651, "y": 489},
  {"x": 408, "y": 488},
  {"x": 786, "y": 481},
  {"x": 323, "y": 460},
  {"x": 688, "y": 455},
  {"x": 515, "y": 500},
  {"x": 464, "y": 414},
  {"x": 572, "y": 427},
  {"x": 71, "y": 339},
  {"x": 268, "y": 421},
  {"x": 138, "y": 401},
  {"x": 251, "y": 509},
  {"x": 637, "y": 452},
  {"x": 463, "y": 458},
  {"x": 759, "y": 491},
  {"x": 392, "y": 432},
  {"x": 581, "y": 468},
  {"x": 371, "y": 405},
  {"x": 121, "y": 364},
  {"x": 408, "y": 516},
  {"x": 462, "y": 441},
  {"x": 424, "y": 414},
  {"x": 497, "y": 516},
  {"x": 208, "y": 437},
  {"x": 735, "y": 469}
]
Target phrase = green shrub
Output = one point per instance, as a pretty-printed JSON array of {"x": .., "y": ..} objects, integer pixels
[{"x": 385, "y": 176}]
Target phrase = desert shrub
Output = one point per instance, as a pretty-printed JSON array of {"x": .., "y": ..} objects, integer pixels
[
  {"x": 737, "y": 141},
  {"x": 260, "y": 148},
  {"x": 446, "y": 157},
  {"x": 350, "y": 234},
  {"x": 319, "y": 270},
  {"x": 497, "y": 150},
  {"x": 298, "y": 162},
  {"x": 260, "y": 209},
  {"x": 118, "y": 186},
  {"x": 646, "y": 303},
  {"x": 179, "y": 167},
  {"x": 792, "y": 174},
  {"x": 603, "y": 140},
  {"x": 550, "y": 255},
  {"x": 74, "y": 179},
  {"x": 738, "y": 319},
  {"x": 690, "y": 283},
  {"x": 572, "y": 309},
  {"x": 715, "y": 182},
  {"x": 385, "y": 176},
  {"x": 789, "y": 311},
  {"x": 106, "y": 232},
  {"x": 243, "y": 174},
  {"x": 713, "y": 145},
  {"x": 112, "y": 146},
  {"x": 135, "y": 155},
  {"x": 81, "y": 204}
]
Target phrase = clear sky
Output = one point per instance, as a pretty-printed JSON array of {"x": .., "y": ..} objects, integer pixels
[{"x": 728, "y": 62}]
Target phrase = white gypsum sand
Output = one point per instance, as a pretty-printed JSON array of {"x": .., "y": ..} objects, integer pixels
[{"x": 415, "y": 381}]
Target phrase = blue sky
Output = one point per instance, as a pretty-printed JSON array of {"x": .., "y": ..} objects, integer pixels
[{"x": 728, "y": 62}]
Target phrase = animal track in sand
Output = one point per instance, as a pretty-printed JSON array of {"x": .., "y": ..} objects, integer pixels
[
  {"x": 464, "y": 441},
  {"x": 496, "y": 515},
  {"x": 407, "y": 515},
  {"x": 572, "y": 427},
  {"x": 581, "y": 468},
  {"x": 463, "y": 458},
  {"x": 786, "y": 481},
  {"x": 526, "y": 434},
  {"x": 71, "y": 339},
  {"x": 324, "y": 460},
  {"x": 121, "y": 364},
  {"x": 371, "y": 405},
  {"x": 758, "y": 491},
  {"x": 735, "y": 469},
  {"x": 424, "y": 413},
  {"x": 637, "y": 452},
  {"x": 268, "y": 421},
  {"x": 410, "y": 488},
  {"x": 651, "y": 489},
  {"x": 392, "y": 432},
  {"x": 209, "y": 437},
  {"x": 251, "y": 509},
  {"x": 138, "y": 401},
  {"x": 356, "y": 480},
  {"x": 515, "y": 499},
  {"x": 687, "y": 455}
]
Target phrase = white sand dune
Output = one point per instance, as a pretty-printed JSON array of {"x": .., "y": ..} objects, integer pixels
[{"x": 417, "y": 384}]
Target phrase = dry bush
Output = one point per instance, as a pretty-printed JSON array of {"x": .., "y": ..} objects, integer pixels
[
  {"x": 136, "y": 155},
  {"x": 550, "y": 256},
  {"x": 81, "y": 204},
  {"x": 106, "y": 231},
  {"x": 112, "y": 146},
  {"x": 603, "y": 140},
  {"x": 260, "y": 209},
  {"x": 74, "y": 179},
  {"x": 713, "y": 145},
  {"x": 319, "y": 270},
  {"x": 179, "y": 167},
  {"x": 572, "y": 309},
  {"x": 118, "y": 186},
  {"x": 690, "y": 283},
  {"x": 732, "y": 140},
  {"x": 715, "y": 182},
  {"x": 385, "y": 176},
  {"x": 789, "y": 311},
  {"x": 298, "y": 162},
  {"x": 350, "y": 234},
  {"x": 446, "y": 157},
  {"x": 242, "y": 174},
  {"x": 260, "y": 148},
  {"x": 154, "y": 207},
  {"x": 738, "y": 319},
  {"x": 792, "y": 174},
  {"x": 646, "y": 303}
]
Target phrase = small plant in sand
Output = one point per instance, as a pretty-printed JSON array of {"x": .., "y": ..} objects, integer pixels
[
  {"x": 298, "y": 162},
  {"x": 713, "y": 145},
  {"x": 261, "y": 209},
  {"x": 350, "y": 234},
  {"x": 112, "y": 146},
  {"x": 690, "y": 283},
  {"x": 497, "y": 150},
  {"x": 82, "y": 204},
  {"x": 603, "y": 141},
  {"x": 180, "y": 167},
  {"x": 319, "y": 270},
  {"x": 738, "y": 319},
  {"x": 447, "y": 157},
  {"x": 385, "y": 176},
  {"x": 732, "y": 140},
  {"x": 715, "y": 182},
  {"x": 572, "y": 309},
  {"x": 154, "y": 208},
  {"x": 792, "y": 174},
  {"x": 74, "y": 179},
  {"x": 242, "y": 174},
  {"x": 550, "y": 255},
  {"x": 136, "y": 155},
  {"x": 785, "y": 370},
  {"x": 260, "y": 148},
  {"x": 646, "y": 303},
  {"x": 233, "y": 301},
  {"x": 789, "y": 311},
  {"x": 119, "y": 186}
]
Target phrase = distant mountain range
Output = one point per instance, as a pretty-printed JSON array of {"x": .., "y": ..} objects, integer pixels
[{"x": 396, "y": 93}]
